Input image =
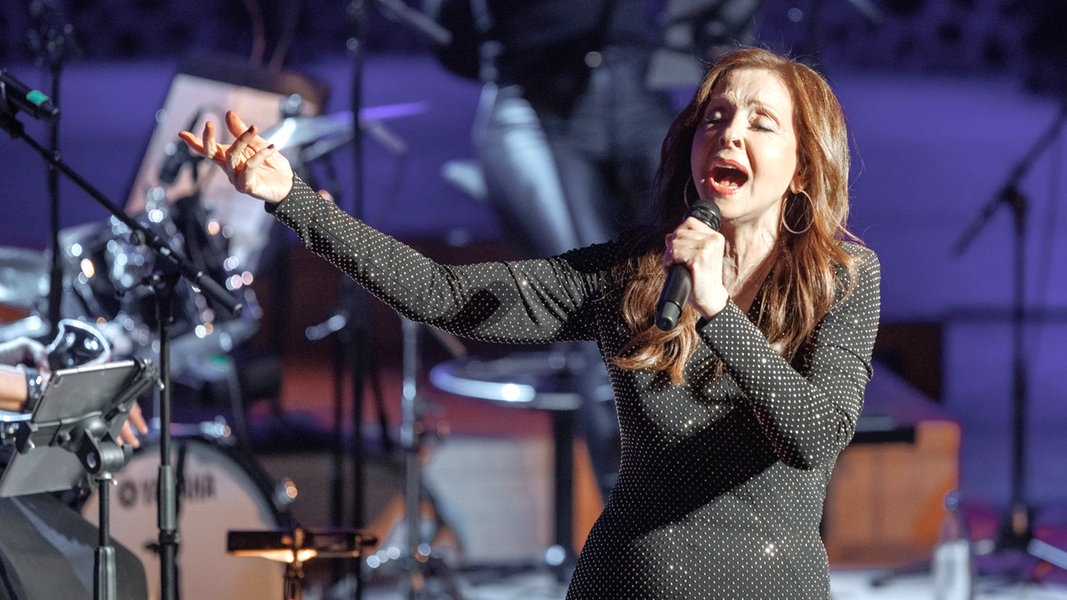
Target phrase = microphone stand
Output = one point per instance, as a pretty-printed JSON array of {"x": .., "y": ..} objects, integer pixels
[
  {"x": 162, "y": 282},
  {"x": 1016, "y": 531},
  {"x": 50, "y": 41},
  {"x": 355, "y": 300}
]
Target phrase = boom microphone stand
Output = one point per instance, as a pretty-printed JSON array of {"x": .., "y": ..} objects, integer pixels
[
  {"x": 52, "y": 40},
  {"x": 171, "y": 266},
  {"x": 1016, "y": 532}
]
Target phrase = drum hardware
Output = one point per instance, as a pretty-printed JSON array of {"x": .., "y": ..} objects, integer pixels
[
  {"x": 416, "y": 557},
  {"x": 77, "y": 344},
  {"x": 23, "y": 277},
  {"x": 350, "y": 349},
  {"x": 171, "y": 265},
  {"x": 219, "y": 487},
  {"x": 356, "y": 301},
  {"x": 542, "y": 380},
  {"x": 297, "y": 546}
]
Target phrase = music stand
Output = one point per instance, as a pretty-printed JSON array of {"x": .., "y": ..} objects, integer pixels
[{"x": 73, "y": 431}]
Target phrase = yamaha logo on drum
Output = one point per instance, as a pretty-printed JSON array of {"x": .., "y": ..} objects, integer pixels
[{"x": 191, "y": 488}]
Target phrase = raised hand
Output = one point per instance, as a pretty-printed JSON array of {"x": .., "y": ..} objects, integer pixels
[{"x": 253, "y": 166}]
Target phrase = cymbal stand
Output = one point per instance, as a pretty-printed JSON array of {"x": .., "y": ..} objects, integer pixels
[
  {"x": 171, "y": 266},
  {"x": 1016, "y": 531}
]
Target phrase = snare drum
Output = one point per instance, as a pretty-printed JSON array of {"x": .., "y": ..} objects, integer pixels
[{"x": 223, "y": 490}]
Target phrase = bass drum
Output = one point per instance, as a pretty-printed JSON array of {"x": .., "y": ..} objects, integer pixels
[{"x": 220, "y": 490}]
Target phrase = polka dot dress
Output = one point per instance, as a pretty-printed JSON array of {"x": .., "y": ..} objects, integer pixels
[{"x": 722, "y": 481}]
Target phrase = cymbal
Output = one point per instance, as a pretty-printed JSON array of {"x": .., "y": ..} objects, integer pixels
[
  {"x": 23, "y": 276},
  {"x": 301, "y": 131}
]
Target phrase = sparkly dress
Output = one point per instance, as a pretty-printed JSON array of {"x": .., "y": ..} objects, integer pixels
[{"x": 722, "y": 481}]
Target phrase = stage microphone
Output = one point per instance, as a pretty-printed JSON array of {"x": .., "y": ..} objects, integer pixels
[
  {"x": 679, "y": 280},
  {"x": 30, "y": 101},
  {"x": 176, "y": 155}
]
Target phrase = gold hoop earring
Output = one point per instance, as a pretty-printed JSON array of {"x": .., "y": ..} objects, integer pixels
[
  {"x": 685, "y": 195},
  {"x": 785, "y": 224}
]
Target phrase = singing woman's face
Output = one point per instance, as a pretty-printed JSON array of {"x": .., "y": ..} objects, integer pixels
[{"x": 744, "y": 153}]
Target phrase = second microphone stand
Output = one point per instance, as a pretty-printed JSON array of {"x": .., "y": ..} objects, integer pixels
[{"x": 1016, "y": 532}]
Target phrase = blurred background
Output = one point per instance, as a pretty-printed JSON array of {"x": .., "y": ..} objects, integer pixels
[{"x": 956, "y": 112}]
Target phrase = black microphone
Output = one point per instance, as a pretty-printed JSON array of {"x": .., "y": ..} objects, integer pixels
[
  {"x": 176, "y": 154},
  {"x": 20, "y": 96},
  {"x": 679, "y": 280}
]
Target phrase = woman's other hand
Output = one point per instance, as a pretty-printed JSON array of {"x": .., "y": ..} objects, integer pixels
[{"x": 253, "y": 166}]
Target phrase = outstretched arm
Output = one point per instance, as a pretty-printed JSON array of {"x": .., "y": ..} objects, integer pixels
[{"x": 528, "y": 301}]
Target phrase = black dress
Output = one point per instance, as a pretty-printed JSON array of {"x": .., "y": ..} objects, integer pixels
[{"x": 722, "y": 480}]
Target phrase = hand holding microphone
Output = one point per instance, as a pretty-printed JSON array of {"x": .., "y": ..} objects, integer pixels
[{"x": 679, "y": 280}]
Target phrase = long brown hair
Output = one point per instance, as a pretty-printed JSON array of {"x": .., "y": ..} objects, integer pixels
[{"x": 803, "y": 281}]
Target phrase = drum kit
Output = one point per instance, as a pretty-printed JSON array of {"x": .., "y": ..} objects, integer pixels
[{"x": 109, "y": 312}]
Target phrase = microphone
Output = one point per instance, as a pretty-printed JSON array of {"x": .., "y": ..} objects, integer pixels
[
  {"x": 20, "y": 96},
  {"x": 176, "y": 155},
  {"x": 679, "y": 280}
]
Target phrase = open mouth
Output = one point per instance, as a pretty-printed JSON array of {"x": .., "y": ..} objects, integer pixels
[{"x": 728, "y": 177}]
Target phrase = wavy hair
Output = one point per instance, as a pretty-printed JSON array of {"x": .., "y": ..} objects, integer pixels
[{"x": 804, "y": 278}]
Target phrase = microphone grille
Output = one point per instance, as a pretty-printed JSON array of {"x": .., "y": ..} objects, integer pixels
[{"x": 706, "y": 212}]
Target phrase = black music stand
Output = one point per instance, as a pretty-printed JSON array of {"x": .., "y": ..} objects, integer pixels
[{"x": 73, "y": 432}]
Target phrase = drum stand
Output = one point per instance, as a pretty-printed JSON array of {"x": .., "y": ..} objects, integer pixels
[{"x": 418, "y": 563}]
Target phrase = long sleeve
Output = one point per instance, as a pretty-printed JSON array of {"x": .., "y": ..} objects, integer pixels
[
  {"x": 808, "y": 417},
  {"x": 512, "y": 302}
]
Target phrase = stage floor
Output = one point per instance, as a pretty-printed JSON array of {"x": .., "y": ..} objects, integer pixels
[{"x": 845, "y": 585}]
